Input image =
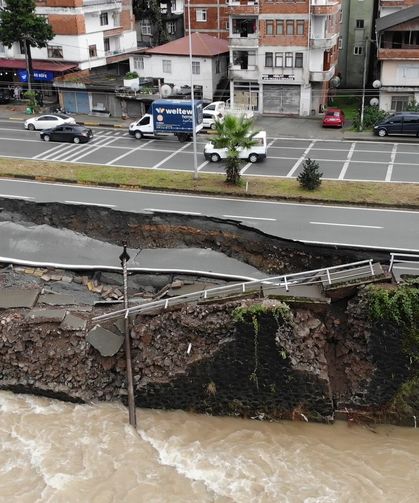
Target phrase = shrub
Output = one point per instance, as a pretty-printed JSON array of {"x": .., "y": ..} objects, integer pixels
[
  {"x": 372, "y": 115},
  {"x": 31, "y": 96},
  {"x": 131, "y": 75},
  {"x": 310, "y": 177}
]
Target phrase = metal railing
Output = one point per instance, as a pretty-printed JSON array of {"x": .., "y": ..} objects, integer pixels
[
  {"x": 397, "y": 258},
  {"x": 330, "y": 275}
]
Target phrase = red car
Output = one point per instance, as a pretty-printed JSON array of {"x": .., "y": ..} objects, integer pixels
[{"x": 334, "y": 117}]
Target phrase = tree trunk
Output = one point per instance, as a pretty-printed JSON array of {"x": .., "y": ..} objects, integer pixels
[{"x": 29, "y": 56}]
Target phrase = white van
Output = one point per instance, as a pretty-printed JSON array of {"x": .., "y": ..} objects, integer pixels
[
  {"x": 253, "y": 154},
  {"x": 216, "y": 107}
]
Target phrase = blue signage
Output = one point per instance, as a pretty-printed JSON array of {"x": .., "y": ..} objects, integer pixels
[{"x": 39, "y": 75}]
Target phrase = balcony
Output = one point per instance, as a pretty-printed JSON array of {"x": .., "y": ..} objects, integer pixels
[
  {"x": 325, "y": 7},
  {"x": 251, "y": 41},
  {"x": 322, "y": 76},
  {"x": 236, "y": 72},
  {"x": 243, "y": 7},
  {"x": 400, "y": 54},
  {"x": 324, "y": 43},
  {"x": 99, "y": 5}
]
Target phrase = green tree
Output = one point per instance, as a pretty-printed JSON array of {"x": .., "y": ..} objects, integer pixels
[
  {"x": 310, "y": 177},
  {"x": 151, "y": 10},
  {"x": 233, "y": 133},
  {"x": 20, "y": 23}
]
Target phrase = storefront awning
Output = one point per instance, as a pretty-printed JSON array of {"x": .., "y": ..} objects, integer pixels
[{"x": 46, "y": 66}]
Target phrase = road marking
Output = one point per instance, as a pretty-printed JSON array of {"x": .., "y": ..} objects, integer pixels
[
  {"x": 128, "y": 153},
  {"x": 250, "y": 218},
  {"x": 202, "y": 165},
  {"x": 47, "y": 152},
  {"x": 170, "y": 156},
  {"x": 300, "y": 160},
  {"x": 17, "y": 197},
  {"x": 84, "y": 203},
  {"x": 93, "y": 150},
  {"x": 391, "y": 164},
  {"x": 353, "y": 245},
  {"x": 348, "y": 160},
  {"x": 347, "y": 225},
  {"x": 61, "y": 148},
  {"x": 244, "y": 169},
  {"x": 180, "y": 212}
]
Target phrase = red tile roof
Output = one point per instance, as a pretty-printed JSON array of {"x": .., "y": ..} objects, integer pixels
[
  {"x": 53, "y": 66},
  {"x": 202, "y": 45}
]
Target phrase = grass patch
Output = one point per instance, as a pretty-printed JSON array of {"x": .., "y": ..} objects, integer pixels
[
  {"x": 349, "y": 104},
  {"x": 392, "y": 194}
]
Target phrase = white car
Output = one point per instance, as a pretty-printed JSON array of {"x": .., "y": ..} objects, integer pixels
[
  {"x": 48, "y": 121},
  {"x": 253, "y": 154},
  {"x": 209, "y": 118}
]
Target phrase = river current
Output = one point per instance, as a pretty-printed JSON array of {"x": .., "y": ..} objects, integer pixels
[{"x": 59, "y": 452}]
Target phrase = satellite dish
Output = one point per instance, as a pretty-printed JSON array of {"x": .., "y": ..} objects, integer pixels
[
  {"x": 376, "y": 84},
  {"x": 374, "y": 102},
  {"x": 335, "y": 81},
  {"x": 176, "y": 90},
  {"x": 165, "y": 90}
]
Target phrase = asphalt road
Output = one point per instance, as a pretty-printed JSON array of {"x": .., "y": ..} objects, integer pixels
[
  {"x": 339, "y": 160},
  {"x": 392, "y": 230}
]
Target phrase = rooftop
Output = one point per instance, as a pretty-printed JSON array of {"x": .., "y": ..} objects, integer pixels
[{"x": 202, "y": 45}]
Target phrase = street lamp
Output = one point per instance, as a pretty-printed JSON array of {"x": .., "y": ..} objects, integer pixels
[
  {"x": 364, "y": 81},
  {"x": 195, "y": 157}
]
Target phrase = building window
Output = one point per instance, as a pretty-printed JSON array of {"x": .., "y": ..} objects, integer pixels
[
  {"x": 196, "y": 67},
  {"x": 269, "y": 59},
  {"x": 290, "y": 27},
  {"x": 93, "y": 51},
  {"x": 104, "y": 19},
  {"x": 280, "y": 27},
  {"x": 358, "y": 50},
  {"x": 145, "y": 27},
  {"x": 300, "y": 27},
  {"x": 106, "y": 44},
  {"x": 340, "y": 43},
  {"x": 298, "y": 60},
  {"x": 288, "y": 59},
  {"x": 138, "y": 63},
  {"x": 167, "y": 66},
  {"x": 399, "y": 103},
  {"x": 217, "y": 65},
  {"x": 171, "y": 27},
  {"x": 359, "y": 23},
  {"x": 55, "y": 51},
  {"x": 173, "y": 5},
  {"x": 269, "y": 27},
  {"x": 201, "y": 15},
  {"x": 279, "y": 59}
]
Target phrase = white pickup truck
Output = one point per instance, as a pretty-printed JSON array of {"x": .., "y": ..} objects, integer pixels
[{"x": 253, "y": 154}]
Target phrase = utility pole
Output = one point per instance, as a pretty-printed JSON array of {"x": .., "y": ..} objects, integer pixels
[
  {"x": 195, "y": 156},
  {"x": 364, "y": 83},
  {"x": 28, "y": 69},
  {"x": 124, "y": 257}
]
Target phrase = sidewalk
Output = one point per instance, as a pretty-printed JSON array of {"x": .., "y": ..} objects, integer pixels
[{"x": 277, "y": 127}]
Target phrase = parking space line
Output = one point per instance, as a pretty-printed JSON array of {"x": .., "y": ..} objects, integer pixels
[
  {"x": 90, "y": 151},
  {"x": 75, "y": 151},
  {"x": 128, "y": 153},
  {"x": 202, "y": 165},
  {"x": 50, "y": 151},
  {"x": 170, "y": 156},
  {"x": 391, "y": 164},
  {"x": 300, "y": 160},
  {"x": 59, "y": 150},
  {"x": 348, "y": 160}
]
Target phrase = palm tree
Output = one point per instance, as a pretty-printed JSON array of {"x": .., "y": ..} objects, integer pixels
[{"x": 233, "y": 133}]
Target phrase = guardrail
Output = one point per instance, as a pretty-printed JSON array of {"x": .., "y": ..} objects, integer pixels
[
  {"x": 329, "y": 276},
  {"x": 402, "y": 258}
]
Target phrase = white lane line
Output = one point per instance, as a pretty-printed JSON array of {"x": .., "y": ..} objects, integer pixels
[
  {"x": 391, "y": 164},
  {"x": 300, "y": 160},
  {"x": 7, "y": 196},
  {"x": 347, "y": 225},
  {"x": 388, "y": 248},
  {"x": 202, "y": 165},
  {"x": 84, "y": 203},
  {"x": 180, "y": 212},
  {"x": 57, "y": 153},
  {"x": 348, "y": 160},
  {"x": 250, "y": 218},
  {"x": 129, "y": 152},
  {"x": 244, "y": 169},
  {"x": 170, "y": 156},
  {"x": 47, "y": 152},
  {"x": 93, "y": 150}
]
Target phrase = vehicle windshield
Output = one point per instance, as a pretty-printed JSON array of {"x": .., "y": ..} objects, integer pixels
[
  {"x": 332, "y": 114},
  {"x": 63, "y": 116}
]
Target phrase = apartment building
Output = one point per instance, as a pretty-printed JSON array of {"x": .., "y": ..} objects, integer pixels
[
  {"x": 88, "y": 33},
  {"x": 355, "y": 49},
  {"x": 397, "y": 38}
]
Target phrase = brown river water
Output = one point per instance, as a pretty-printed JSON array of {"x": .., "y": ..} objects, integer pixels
[{"x": 58, "y": 452}]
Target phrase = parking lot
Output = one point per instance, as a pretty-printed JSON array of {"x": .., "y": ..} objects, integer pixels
[{"x": 338, "y": 160}]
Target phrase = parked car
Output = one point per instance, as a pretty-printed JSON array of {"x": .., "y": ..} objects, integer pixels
[
  {"x": 48, "y": 121},
  {"x": 334, "y": 117},
  {"x": 215, "y": 107},
  {"x": 209, "y": 118},
  {"x": 253, "y": 154},
  {"x": 400, "y": 123},
  {"x": 68, "y": 132}
]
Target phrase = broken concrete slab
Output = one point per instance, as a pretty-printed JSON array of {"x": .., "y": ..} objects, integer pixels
[
  {"x": 72, "y": 322},
  {"x": 46, "y": 315},
  {"x": 106, "y": 342},
  {"x": 57, "y": 299},
  {"x": 18, "y": 297}
]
